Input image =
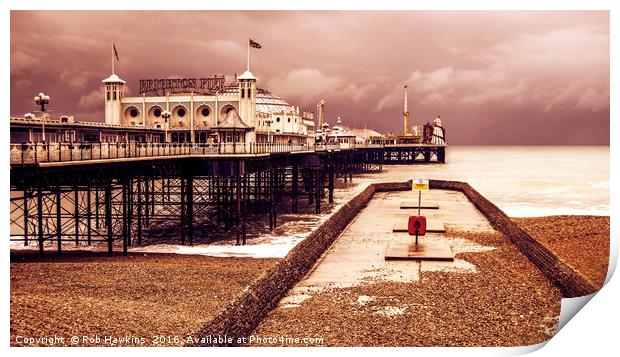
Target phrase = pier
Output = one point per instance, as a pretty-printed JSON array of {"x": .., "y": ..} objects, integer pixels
[{"x": 123, "y": 192}]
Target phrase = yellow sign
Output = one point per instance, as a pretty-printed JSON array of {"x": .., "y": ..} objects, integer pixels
[{"x": 420, "y": 184}]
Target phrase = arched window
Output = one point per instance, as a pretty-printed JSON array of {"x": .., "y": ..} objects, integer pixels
[
  {"x": 113, "y": 95},
  {"x": 242, "y": 92},
  {"x": 249, "y": 92},
  {"x": 108, "y": 95},
  {"x": 278, "y": 119}
]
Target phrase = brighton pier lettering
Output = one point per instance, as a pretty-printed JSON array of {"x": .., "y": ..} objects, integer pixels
[{"x": 213, "y": 84}]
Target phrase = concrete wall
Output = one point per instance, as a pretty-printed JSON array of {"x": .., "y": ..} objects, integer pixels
[
  {"x": 564, "y": 276},
  {"x": 247, "y": 310}
]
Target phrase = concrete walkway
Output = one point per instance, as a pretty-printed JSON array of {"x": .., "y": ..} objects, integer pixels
[{"x": 357, "y": 256}]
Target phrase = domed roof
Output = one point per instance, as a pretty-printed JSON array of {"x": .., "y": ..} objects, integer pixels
[
  {"x": 246, "y": 75},
  {"x": 113, "y": 79}
]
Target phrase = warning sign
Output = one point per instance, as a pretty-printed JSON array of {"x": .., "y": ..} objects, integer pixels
[{"x": 420, "y": 184}]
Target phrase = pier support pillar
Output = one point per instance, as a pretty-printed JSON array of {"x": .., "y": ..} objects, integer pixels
[
  {"x": 89, "y": 215},
  {"x": 40, "y": 220},
  {"x": 139, "y": 210},
  {"x": 76, "y": 214},
  {"x": 183, "y": 208},
  {"x": 295, "y": 186},
  {"x": 330, "y": 183},
  {"x": 190, "y": 209},
  {"x": 25, "y": 218},
  {"x": 108, "y": 215},
  {"x": 59, "y": 219},
  {"x": 124, "y": 218}
]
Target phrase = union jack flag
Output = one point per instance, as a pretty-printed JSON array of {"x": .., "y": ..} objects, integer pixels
[{"x": 255, "y": 44}]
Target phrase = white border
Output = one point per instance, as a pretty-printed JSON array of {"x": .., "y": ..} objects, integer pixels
[{"x": 591, "y": 331}]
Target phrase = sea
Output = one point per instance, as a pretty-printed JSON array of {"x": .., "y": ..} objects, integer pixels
[{"x": 527, "y": 181}]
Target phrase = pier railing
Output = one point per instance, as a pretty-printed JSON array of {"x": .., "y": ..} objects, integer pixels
[{"x": 34, "y": 153}]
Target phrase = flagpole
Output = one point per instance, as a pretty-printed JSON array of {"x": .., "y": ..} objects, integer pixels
[{"x": 248, "y": 43}]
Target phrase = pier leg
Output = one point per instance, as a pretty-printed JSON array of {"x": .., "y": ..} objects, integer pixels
[
  {"x": 108, "y": 215},
  {"x": 139, "y": 210},
  {"x": 25, "y": 218},
  {"x": 147, "y": 205},
  {"x": 152, "y": 200},
  {"x": 294, "y": 186},
  {"x": 124, "y": 188},
  {"x": 310, "y": 176},
  {"x": 317, "y": 208},
  {"x": 129, "y": 211},
  {"x": 182, "y": 210},
  {"x": 257, "y": 191},
  {"x": 270, "y": 184},
  {"x": 97, "y": 206},
  {"x": 40, "y": 220},
  {"x": 76, "y": 215},
  {"x": 190, "y": 209},
  {"x": 331, "y": 182},
  {"x": 59, "y": 220},
  {"x": 89, "y": 215},
  {"x": 238, "y": 192}
]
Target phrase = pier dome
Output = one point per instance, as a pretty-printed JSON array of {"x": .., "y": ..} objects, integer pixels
[{"x": 113, "y": 78}]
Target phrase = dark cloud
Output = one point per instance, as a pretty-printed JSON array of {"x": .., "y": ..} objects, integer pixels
[{"x": 495, "y": 77}]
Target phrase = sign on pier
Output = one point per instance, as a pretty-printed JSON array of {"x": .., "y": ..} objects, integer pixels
[{"x": 420, "y": 184}]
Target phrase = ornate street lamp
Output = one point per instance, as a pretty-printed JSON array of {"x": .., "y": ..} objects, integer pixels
[
  {"x": 42, "y": 100},
  {"x": 166, "y": 115}
]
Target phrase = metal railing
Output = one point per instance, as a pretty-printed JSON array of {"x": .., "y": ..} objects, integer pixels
[{"x": 34, "y": 153}]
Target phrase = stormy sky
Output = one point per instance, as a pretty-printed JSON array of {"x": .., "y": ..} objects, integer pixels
[{"x": 496, "y": 78}]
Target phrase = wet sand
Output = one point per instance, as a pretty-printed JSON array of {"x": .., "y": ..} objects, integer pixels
[
  {"x": 141, "y": 295},
  {"x": 491, "y": 295},
  {"x": 581, "y": 241}
]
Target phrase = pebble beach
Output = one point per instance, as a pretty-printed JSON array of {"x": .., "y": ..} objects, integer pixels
[{"x": 506, "y": 302}]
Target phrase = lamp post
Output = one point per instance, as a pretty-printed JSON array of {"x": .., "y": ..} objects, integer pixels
[
  {"x": 268, "y": 121},
  {"x": 166, "y": 115},
  {"x": 42, "y": 100}
]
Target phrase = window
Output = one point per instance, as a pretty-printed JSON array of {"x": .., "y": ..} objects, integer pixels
[
  {"x": 113, "y": 95},
  {"x": 181, "y": 112},
  {"x": 108, "y": 95},
  {"x": 249, "y": 92},
  {"x": 205, "y": 112},
  {"x": 278, "y": 119},
  {"x": 157, "y": 112},
  {"x": 289, "y": 120},
  {"x": 133, "y": 112}
]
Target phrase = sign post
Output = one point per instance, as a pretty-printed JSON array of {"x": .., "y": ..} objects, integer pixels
[{"x": 420, "y": 184}]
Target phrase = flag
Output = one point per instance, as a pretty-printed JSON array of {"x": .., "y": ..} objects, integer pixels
[
  {"x": 115, "y": 52},
  {"x": 255, "y": 44}
]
